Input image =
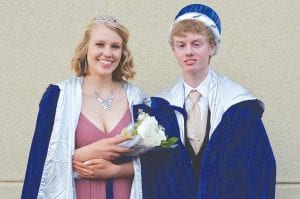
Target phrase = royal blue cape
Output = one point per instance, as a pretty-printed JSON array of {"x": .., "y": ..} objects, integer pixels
[
  {"x": 40, "y": 142},
  {"x": 238, "y": 161}
]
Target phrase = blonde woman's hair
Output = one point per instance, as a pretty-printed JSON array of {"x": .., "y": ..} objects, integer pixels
[{"x": 125, "y": 69}]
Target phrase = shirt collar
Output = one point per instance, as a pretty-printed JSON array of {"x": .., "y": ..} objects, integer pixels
[{"x": 201, "y": 88}]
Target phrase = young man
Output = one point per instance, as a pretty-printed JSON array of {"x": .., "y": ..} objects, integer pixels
[{"x": 224, "y": 135}]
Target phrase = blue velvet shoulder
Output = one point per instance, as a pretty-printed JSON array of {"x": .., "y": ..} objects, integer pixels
[
  {"x": 40, "y": 142},
  {"x": 164, "y": 113},
  {"x": 166, "y": 173},
  {"x": 238, "y": 161}
]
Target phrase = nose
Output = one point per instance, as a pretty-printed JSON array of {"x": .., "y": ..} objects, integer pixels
[
  {"x": 107, "y": 51},
  {"x": 189, "y": 50}
]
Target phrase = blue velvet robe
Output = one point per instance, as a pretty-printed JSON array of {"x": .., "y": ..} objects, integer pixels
[
  {"x": 238, "y": 161},
  {"x": 166, "y": 173},
  {"x": 49, "y": 171},
  {"x": 40, "y": 142}
]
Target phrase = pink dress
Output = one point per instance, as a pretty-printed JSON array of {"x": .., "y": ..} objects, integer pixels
[{"x": 87, "y": 133}]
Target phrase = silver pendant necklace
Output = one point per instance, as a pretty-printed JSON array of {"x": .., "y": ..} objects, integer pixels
[{"x": 105, "y": 103}]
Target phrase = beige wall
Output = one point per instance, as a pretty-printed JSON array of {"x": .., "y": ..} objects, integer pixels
[{"x": 260, "y": 49}]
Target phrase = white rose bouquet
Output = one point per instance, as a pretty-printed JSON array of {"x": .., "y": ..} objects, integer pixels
[{"x": 146, "y": 134}]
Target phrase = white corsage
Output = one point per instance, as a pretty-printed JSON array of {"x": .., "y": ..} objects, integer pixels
[{"x": 145, "y": 135}]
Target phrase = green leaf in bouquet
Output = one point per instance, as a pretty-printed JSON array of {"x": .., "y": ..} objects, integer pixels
[
  {"x": 169, "y": 142},
  {"x": 134, "y": 132}
]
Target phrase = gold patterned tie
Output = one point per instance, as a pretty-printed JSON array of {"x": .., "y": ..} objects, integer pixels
[{"x": 195, "y": 125}]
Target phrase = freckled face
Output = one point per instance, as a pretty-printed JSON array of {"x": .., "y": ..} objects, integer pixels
[
  {"x": 104, "y": 51},
  {"x": 192, "y": 52}
]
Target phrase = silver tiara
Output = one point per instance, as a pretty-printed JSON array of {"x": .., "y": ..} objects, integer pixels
[{"x": 107, "y": 18}]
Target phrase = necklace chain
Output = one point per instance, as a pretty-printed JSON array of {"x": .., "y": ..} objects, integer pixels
[{"x": 106, "y": 104}]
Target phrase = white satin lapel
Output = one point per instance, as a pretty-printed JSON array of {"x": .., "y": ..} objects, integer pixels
[
  {"x": 223, "y": 93},
  {"x": 57, "y": 178}
]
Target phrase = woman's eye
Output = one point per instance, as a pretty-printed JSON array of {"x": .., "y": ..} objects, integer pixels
[
  {"x": 99, "y": 44},
  {"x": 116, "y": 46}
]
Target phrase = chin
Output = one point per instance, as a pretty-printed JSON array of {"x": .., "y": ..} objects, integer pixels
[{"x": 189, "y": 69}]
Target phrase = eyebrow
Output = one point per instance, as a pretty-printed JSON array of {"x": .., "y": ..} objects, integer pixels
[
  {"x": 197, "y": 40},
  {"x": 106, "y": 42},
  {"x": 193, "y": 41},
  {"x": 179, "y": 41}
]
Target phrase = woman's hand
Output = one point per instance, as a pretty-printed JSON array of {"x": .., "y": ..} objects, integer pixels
[
  {"x": 102, "y": 169},
  {"x": 106, "y": 149}
]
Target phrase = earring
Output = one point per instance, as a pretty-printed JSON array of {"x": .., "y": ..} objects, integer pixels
[{"x": 85, "y": 65}]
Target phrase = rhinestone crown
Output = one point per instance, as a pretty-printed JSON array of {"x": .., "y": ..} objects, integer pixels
[{"x": 107, "y": 18}]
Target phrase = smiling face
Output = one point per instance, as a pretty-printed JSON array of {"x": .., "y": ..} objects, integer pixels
[
  {"x": 104, "y": 51},
  {"x": 193, "y": 52}
]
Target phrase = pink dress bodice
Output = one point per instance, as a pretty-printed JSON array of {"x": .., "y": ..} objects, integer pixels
[{"x": 87, "y": 133}]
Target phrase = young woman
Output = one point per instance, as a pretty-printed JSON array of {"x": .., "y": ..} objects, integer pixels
[{"x": 79, "y": 119}]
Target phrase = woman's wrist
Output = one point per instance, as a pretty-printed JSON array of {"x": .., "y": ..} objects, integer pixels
[
  {"x": 117, "y": 171},
  {"x": 123, "y": 170},
  {"x": 83, "y": 154}
]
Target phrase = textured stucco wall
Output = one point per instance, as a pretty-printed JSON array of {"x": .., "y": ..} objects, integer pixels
[{"x": 259, "y": 49}]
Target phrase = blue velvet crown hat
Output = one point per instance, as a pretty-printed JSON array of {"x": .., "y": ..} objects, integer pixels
[{"x": 204, "y": 14}]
